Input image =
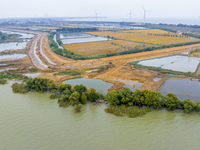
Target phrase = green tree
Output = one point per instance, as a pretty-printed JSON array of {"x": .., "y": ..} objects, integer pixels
[
  {"x": 74, "y": 98},
  {"x": 189, "y": 105},
  {"x": 83, "y": 98},
  {"x": 113, "y": 97},
  {"x": 80, "y": 88},
  {"x": 172, "y": 101},
  {"x": 62, "y": 87},
  {"x": 20, "y": 88},
  {"x": 126, "y": 96},
  {"x": 139, "y": 98},
  {"x": 77, "y": 108},
  {"x": 92, "y": 95},
  {"x": 51, "y": 85}
]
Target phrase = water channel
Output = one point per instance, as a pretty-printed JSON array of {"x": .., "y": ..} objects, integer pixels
[{"x": 33, "y": 121}]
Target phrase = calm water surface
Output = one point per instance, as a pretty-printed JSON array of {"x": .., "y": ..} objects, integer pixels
[
  {"x": 182, "y": 88},
  {"x": 98, "y": 84},
  {"x": 12, "y": 46},
  {"x": 84, "y": 40},
  {"x": 176, "y": 63},
  {"x": 33, "y": 121},
  {"x": 13, "y": 56}
]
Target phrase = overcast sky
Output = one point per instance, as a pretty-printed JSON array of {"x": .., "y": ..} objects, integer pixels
[{"x": 108, "y": 8}]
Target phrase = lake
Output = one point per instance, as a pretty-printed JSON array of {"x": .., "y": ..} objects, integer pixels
[{"x": 33, "y": 121}]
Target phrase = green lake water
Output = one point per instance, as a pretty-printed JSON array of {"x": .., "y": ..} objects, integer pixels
[{"x": 33, "y": 121}]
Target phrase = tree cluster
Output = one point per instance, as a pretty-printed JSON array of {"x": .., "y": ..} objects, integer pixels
[{"x": 150, "y": 99}]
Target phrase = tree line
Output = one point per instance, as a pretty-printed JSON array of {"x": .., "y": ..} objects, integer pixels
[
  {"x": 66, "y": 95},
  {"x": 78, "y": 95},
  {"x": 150, "y": 99}
]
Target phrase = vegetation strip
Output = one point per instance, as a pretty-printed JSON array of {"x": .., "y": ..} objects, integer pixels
[{"x": 123, "y": 102}]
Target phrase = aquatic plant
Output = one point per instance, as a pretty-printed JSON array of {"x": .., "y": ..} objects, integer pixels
[{"x": 131, "y": 112}]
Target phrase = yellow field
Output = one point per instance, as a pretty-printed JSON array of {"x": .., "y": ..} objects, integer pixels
[
  {"x": 131, "y": 45},
  {"x": 155, "y": 36},
  {"x": 104, "y": 47},
  {"x": 196, "y": 54}
]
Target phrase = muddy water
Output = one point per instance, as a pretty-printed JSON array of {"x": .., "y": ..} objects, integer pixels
[
  {"x": 91, "y": 83},
  {"x": 33, "y": 121}
]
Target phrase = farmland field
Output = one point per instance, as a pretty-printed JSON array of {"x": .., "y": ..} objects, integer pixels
[
  {"x": 154, "y": 36},
  {"x": 104, "y": 47}
]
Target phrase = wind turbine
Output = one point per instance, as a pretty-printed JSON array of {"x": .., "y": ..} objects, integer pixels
[
  {"x": 96, "y": 14},
  {"x": 145, "y": 11},
  {"x": 130, "y": 14}
]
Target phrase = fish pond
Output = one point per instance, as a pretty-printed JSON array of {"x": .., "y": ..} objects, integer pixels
[
  {"x": 182, "y": 88},
  {"x": 175, "y": 63},
  {"x": 22, "y": 35},
  {"x": 13, "y": 56},
  {"x": 12, "y": 46},
  {"x": 73, "y": 38},
  {"x": 74, "y": 35},
  {"x": 33, "y": 121}
]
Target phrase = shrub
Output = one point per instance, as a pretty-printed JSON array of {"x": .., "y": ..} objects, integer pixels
[
  {"x": 33, "y": 69},
  {"x": 172, "y": 101},
  {"x": 2, "y": 81},
  {"x": 92, "y": 95},
  {"x": 83, "y": 98},
  {"x": 20, "y": 88},
  {"x": 189, "y": 105},
  {"x": 77, "y": 108}
]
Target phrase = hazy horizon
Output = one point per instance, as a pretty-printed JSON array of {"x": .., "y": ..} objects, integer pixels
[{"x": 104, "y": 8}]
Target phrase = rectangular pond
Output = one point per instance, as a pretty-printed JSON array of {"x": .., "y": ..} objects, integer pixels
[
  {"x": 182, "y": 88},
  {"x": 175, "y": 63},
  {"x": 12, "y": 46},
  {"x": 13, "y": 56},
  {"x": 74, "y": 35},
  {"x": 22, "y": 35},
  {"x": 84, "y": 40},
  {"x": 97, "y": 84}
]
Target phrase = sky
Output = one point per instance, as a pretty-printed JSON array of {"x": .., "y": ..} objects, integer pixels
[{"x": 104, "y": 8}]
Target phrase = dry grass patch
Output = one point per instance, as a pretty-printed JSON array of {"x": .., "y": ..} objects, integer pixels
[
  {"x": 104, "y": 47},
  {"x": 94, "y": 48}
]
